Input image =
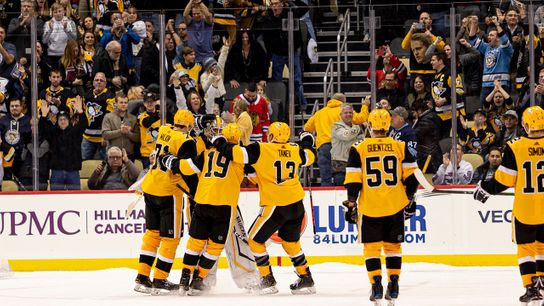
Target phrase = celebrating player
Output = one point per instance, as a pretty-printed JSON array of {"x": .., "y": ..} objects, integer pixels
[
  {"x": 522, "y": 167},
  {"x": 216, "y": 200},
  {"x": 164, "y": 207},
  {"x": 276, "y": 165},
  {"x": 376, "y": 170}
]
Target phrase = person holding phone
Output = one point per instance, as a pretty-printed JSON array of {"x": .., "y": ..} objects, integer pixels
[{"x": 390, "y": 63}]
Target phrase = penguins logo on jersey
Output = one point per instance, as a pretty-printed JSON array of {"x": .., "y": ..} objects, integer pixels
[
  {"x": 153, "y": 132},
  {"x": 491, "y": 58},
  {"x": 94, "y": 110}
]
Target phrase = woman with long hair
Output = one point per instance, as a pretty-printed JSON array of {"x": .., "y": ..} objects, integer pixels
[
  {"x": 89, "y": 47},
  {"x": 41, "y": 8},
  {"x": 71, "y": 66},
  {"x": 419, "y": 91}
]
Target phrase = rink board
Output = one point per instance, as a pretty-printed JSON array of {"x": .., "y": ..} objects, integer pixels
[{"x": 87, "y": 231}]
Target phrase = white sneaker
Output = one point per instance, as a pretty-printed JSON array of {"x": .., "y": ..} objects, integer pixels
[
  {"x": 312, "y": 51},
  {"x": 340, "y": 18},
  {"x": 366, "y": 39}
]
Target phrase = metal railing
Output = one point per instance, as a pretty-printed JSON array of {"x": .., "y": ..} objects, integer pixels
[
  {"x": 342, "y": 47},
  {"x": 328, "y": 82}
]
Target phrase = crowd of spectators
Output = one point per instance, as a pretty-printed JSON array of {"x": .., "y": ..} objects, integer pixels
[{"x": 98, "y": 74}]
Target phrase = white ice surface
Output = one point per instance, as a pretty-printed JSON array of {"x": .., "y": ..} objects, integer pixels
[{"x": 337, "y": 284}]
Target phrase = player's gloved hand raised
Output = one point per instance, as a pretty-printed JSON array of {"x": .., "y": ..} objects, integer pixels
[
  {"x": 168, "y": 162},
  {"x": 410, "y": 209},
  {"x": 218, "y": 141},
  {"x": 480, "y": 194},
  {"x": 307, "y": 140},
  {"x": 351, "y": 214}
]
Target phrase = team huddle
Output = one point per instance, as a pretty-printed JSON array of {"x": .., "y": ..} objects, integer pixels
[{"x": 380, "y": 183}]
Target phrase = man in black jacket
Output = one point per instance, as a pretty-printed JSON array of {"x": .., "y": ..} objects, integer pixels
[
  {"x": 429, "y": 155},
  {"x": 65, "y": 145}
]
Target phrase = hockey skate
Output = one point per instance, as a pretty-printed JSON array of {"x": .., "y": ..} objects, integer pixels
[
  {"x": 392, "y": 292},
  {"x": 377, "y": 291},
  {"x": 267, "y": 285},
  {"x": 197, "y": 287},
  {"x": 143, "y": 284},
  {"x": 303, "y": 285},
  {"x": 184, "y": 281},
  {"x": 532, "y": 296},
  {"x": 164, "y": 287}
]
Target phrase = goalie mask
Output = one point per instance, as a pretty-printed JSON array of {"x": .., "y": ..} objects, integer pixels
[{"x": 210, "y": 125}]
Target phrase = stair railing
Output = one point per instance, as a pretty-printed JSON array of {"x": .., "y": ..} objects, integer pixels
[
  {"x": 342, "y": 47},
  {"x": 328, "y": 82}
]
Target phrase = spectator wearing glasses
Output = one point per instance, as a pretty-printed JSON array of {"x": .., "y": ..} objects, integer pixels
[
  {"x": 124, "y": 35},
  {"x": 390, "y": 92},
  {"x": 113, "y": 65},
  {"x": 117, "y": 172}
]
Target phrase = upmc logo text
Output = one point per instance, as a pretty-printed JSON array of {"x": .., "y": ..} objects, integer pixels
[{"x": 29, "y": 223}]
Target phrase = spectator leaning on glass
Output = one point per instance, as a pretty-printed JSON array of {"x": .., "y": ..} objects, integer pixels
[
  {"x": 115, "y": 173},
  {"x": 444, "y": 175},
  {"x": 344, "y": 135},
  {"x": 120, "y": 128},
  {"x": 65, "y": 145}
]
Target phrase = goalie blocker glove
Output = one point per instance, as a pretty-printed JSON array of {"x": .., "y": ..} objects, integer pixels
[
  {"x": 169, "y": 162},
  {"x": 350, "y": 215},
  {"x": 481, "y": 194}
]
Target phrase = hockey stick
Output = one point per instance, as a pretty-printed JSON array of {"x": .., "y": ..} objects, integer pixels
[
  {"x": 431, "y": 189},
  {"x": 137, "y": 188},
  {"x": 309, "y": 179}
]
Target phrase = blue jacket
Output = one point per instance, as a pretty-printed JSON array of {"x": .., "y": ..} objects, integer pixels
[
  {"x": 407, "y": 134},
  {"x": 127, "y": 39},
  {"x": 496, "y": 60}
]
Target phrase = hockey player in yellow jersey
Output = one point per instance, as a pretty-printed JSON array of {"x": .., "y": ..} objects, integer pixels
[
  {"x": 378, "y": 170},
  {"x": 216, "y": 205},
  {"x": 276, "y": 165},
  {"x": 522, "y": 167},
  {"x": 164, "y": 207}
]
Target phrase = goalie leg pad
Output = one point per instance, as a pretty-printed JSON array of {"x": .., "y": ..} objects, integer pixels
[
  {"x": 165, "y": 259},
  {"x": 393, "y": 258},
  {"x": 372, "y": 252},
  {"x": 150, "y": 244}
]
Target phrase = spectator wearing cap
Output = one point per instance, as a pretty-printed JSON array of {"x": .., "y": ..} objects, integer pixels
[
  {"x": 486, "y": 171},
  {"x": 401, "y": 130},
  {"x": 150, "y": 72},
  {"x": 118, "y": 172},
  {"x": 510, "y": 128},
  {"x": 429, "y": 154},
  {"x": 479, "y": 138},
  {"x": 343, "y": 135},
  {"x": 65, "y": 145},
  {"x": 213, "y": 73},
  {"x": 496, "y": 104},
  {"x": 120, "y": 128},
  {"x": 149, "y": 122}
]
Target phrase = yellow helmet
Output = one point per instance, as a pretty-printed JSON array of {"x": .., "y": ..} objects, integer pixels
[
  {"x": 279, "y": 132},
  {"x": 184, "y": 117},
  {"x": 533, "y": 119},
  {"x": 232, "y": 132},
  {"x": 379, "y": 119}
]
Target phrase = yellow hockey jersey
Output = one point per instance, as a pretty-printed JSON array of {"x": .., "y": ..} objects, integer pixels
[
  {"x": 522, "y": 167},
  {"x": 276, "y": 166},
  {"x": 149, "y": 130},
  {"x": 380, "y": 165},
  {"x": 159, "y": 182},
  {"x": 219, "y": 178}
]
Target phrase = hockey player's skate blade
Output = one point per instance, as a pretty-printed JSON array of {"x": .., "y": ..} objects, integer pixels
[
  {"x": 377, "y": 303},
  {"x": 391, "y": 302},
  {"x": 195, "y": 292},
  {"x": 142, "y": 289},
  {"x": 267, "y": 290},
  {"x": 304, "y": 291}
]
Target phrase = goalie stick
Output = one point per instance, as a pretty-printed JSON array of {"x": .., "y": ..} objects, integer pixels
[{"x": 431, "y": 189}]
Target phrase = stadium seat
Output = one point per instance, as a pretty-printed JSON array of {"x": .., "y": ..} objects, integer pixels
[
  {"x": 474, "y": 159},
  {"x": 84, "y": 184},
  {"x": 9, "y": 186},
  {"x": 87, "y": 168},
  {"x": 139, "y": 165}
]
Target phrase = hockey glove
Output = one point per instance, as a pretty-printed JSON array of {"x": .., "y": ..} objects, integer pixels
[
  {"x": 218, "y": 141},
  {"x": 307, "y": 140},
  {"x": 169, "y": 162},
  {"x": 351, "y": 214},
  {"x": 410, "y": 209},
  {"x": 480, "y": 194}
]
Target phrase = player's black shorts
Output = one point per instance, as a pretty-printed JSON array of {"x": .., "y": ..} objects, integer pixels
[
  {"x": 287, "y": 220},
  {"x": 525, "y": 233},
  {"x": 165, "y": 214},
  {"x": 212, "y": 222},
  {"x": 387, "y": 229}
]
